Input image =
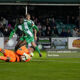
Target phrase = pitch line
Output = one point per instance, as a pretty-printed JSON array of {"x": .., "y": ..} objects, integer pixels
[{"x": 53, "y": 61}]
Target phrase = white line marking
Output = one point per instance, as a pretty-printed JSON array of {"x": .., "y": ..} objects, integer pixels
[{"x": 54, "y": 61}]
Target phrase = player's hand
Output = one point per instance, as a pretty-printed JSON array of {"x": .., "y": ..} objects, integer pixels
[{"x": 40, "y": 55}]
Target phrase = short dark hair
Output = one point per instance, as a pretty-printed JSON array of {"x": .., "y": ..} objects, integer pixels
[
  {"x": 18, "y": 19},
  {"x": 21, "y": 16}
]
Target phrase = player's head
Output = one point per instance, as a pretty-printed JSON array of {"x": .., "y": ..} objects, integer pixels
[
  {"x": 28, "y": 16},
  {"x": 21, "y": 19}
]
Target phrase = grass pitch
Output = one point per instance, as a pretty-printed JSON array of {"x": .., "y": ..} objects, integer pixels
[{"x": 41, "y": 69}]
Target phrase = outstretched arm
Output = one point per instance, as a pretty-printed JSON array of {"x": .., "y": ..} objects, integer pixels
[
  {"x": 35, "y": 27},
  {"x": 12, "y": 32}
]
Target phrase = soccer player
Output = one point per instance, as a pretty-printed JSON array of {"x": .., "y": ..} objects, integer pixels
[
  {"x": 22, "y": 54},
  {"x": 28, "y": 31},
  {"x": 32, "y": 26}
]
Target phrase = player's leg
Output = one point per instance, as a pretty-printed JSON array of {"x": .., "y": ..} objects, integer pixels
[
  {"x": 19, "y": 43},
  {"x": 8, "y": 55},
  {"x": 3, "y": 58},
  {"x": 36, "y": 48},
  {"x": 31, "y": 40},
  {"x": 34, "y": 45},
  {"x": 23, "y": 43},
  {"x": 7, "y": 59}
]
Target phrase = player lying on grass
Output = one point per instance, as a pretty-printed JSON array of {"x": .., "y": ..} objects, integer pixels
[
  {"x": 23, "y": 50},
  {"x": 27, "y": 28},
  {"x": 22, "y": 54}
]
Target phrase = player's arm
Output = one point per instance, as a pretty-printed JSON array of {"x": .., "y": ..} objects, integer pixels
[
  {"x": 35, "y": 27},
  {"x": 35, "y": 30},
  {"x": 35, "y": 34},
  {"x": 12, "y": 32}
]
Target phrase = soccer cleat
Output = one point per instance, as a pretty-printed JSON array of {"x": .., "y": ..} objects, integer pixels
[{"x": 40, "y": 55}]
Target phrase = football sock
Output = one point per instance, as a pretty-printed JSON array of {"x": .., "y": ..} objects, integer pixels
[{"x": 37, "y": 49}]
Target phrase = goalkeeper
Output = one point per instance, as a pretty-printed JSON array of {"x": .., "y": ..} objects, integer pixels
[
  {"x": 28, "y": 33},
  {"x": 22, "y": 54}
]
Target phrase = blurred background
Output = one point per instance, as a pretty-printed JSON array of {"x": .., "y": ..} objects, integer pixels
[{"x": 55, "y": 19}]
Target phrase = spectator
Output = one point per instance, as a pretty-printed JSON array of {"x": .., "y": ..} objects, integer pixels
[
  {"x": 39, "y": 26},
  {"x": 75, "y": 32},
  {"x": 63, "y": 33},
  {"x": 68, "y": 19},
  {"x": 33, "y": 18},
  {"x": 73, "y": 20},
  {"x": 39, "y": 33},
  {"x": 4, "y": 22},
  {"x": 7, "y": 31},
  {"x": 1, "y": 34},
  {"x": 43, "y": 31},
  {"x": 55, "y": 31},
  {"x": 48, "y": 31},
  {"x": 47, "y": 22},
  {"x": 36, "y": 21},
  {"x": 77, "y": 22},
  {"x": 9, "y": 25},
  {"x": 69, "y": 34},
  {"x": 79, "y": 32},
  {"x": 52, "y": 23},
  {"x": 1, "y": 28}
]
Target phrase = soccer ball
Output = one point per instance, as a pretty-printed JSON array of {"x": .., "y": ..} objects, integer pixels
[
  {"x": 10, "y": 42},
  {"x": 40, "y": 46},
  {"x": 32, "y": 54}
]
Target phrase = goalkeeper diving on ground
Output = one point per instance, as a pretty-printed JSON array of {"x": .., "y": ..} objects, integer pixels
[{"x": 22, "y": 54}]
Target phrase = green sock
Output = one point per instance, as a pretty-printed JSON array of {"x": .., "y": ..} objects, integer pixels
[{"x": 37, "y": 49}]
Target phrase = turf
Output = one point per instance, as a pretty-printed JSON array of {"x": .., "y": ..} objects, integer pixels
[{"x": 41, "y": 69}]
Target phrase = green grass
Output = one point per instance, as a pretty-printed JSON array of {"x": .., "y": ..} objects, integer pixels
[{"x": 41, "y": 69}]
